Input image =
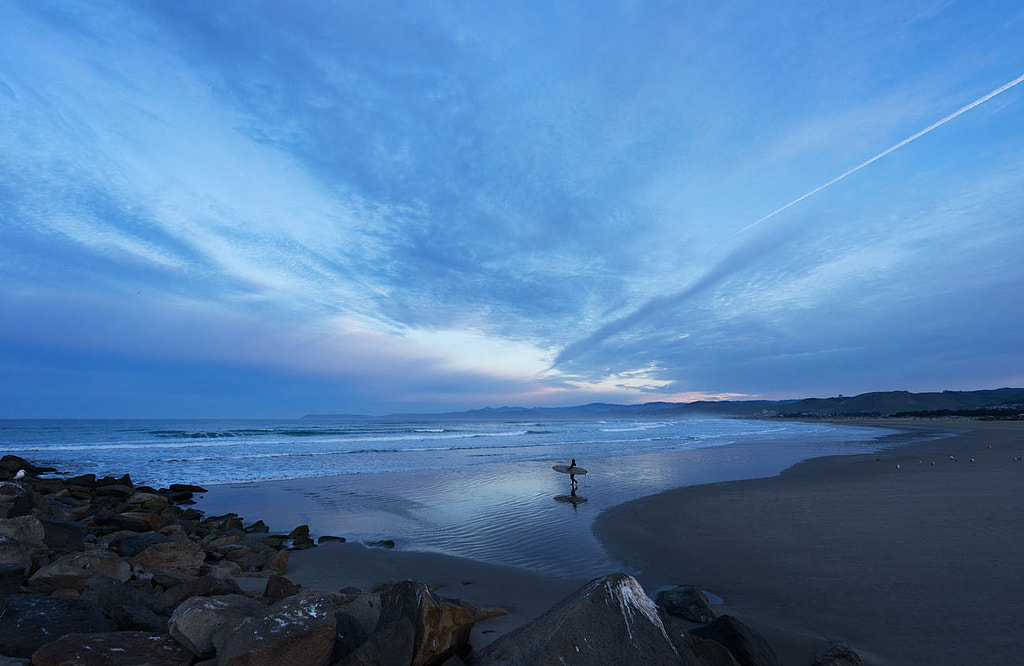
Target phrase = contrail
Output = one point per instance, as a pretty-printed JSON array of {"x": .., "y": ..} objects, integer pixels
[{"x": 885, "y": 152}]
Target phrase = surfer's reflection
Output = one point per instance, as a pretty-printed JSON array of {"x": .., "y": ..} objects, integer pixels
[{"x": 571, "y": 498}]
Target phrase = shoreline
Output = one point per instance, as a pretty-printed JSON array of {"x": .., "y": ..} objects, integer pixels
[{"x": 909, "y": 565}]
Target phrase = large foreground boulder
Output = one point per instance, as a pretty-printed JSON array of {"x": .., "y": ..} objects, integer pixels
[
  {"x": 609, "y": 620},
  {"x": 28, "y": 621},
  {"x": 118, "y": 648},
  {"x": 298, "y": 630},
  {"x": 73, "y": 569},
  {"x": 416, "y": 627},
  {"x": 746, "y": 645}
]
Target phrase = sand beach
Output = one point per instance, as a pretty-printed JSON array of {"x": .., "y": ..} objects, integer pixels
[{"x": 919, "y": 564}]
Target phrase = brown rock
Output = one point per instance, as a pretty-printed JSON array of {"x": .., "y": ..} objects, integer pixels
[
  {"x": 118, "y": 648},
  {"x": 746, "y": 645},
  {"x": 279, "y": 587},
  {"x": 73, "y": 569},
  {"x": 16, "y": 499},
  {"x": 298, "y": 630},
  {"x": 13, "y": 551},
  {"x": 26, "y": 529},
  {"x": 836, "y": 654},
  {"x": 150, "y": 502},
  {"x": 183, "y": 557},
  {"x": 441, "y": 626},
  {"x": 277, "y": 564}
]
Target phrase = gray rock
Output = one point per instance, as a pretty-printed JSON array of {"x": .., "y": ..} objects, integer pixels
[
  {"x": 63, "y": 536},
  {"x": 118, "y": 648},
  {"x": 746, "y": 645},
  {"x": 120, "y": 522},
  {"x": 73, "y": 569},
  {"x": 171, "y": 556},
  {"x": 348, "y": 636},
  {"x": 836, "y": 654},
  {"x": 391, "y": 645},
  {"x": 197, "y": 620},
  {"x": 14, "y": 552},
  {"x": 687, "y": 602},
  {"x": 609, "y": 620},
  {"x": 26, "y": 529},
  {"x": 16, "y": 499},
  {"x": 12, "y": 577},
  {"x": 29, "y": 621},
  {"x": 365, "y": 608},
  {"x": 298, "y": 630},
  {"x": 130, "y": 546},
  {"x": 192, "y": 587}
]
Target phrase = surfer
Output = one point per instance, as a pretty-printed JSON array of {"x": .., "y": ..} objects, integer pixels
[{"x": 572, "y": 477}]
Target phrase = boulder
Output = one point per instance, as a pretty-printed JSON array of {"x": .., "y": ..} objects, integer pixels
[
  {"x": 118, "y": 648},
  {"x": 16, "y": 499},
  {"x": 148, "y": 502},
  {"x": 279, "y": 587},
  {"x": 687, "y": 602},
  {"x": 349, "y": 635},
  {"x": 171, "y": 556},
  {"x": 609, "y": 620},
  {"x": 197, "y": 620},
  {"x": 390, "y": 645},
  {"x": 130, "y": 546},
  {"x": 746, "y": 645},
  {"x": 298, "y": 630},
  {"x": 365, "y": 608},
  {"x": 83, "y": 480},
  {"x": 13, "y": 464},
  {"x": 440, "y": 626},
  {"x": 194, "y": 587},
  {"x": 73, "y": 569},
  {"x": 153, "y": 520},
  {"x": 706, "y": 651},
  {"x": 26, "y": 529},
  {"x": 117, "y": 490},
  {"x": 836, "y": 654},
  {"x": 29, "y": 621},
  {"x": 12, "y": 577},
  {"x": 63, "y": 536},
  {"x": 14, "y": 552},
  {"x": 186, "y": 487},
  {"x": 120, "y": 522},
  {"x": 277, "y": 564}
]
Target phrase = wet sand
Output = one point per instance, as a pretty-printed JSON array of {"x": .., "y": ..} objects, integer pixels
[{"x": 917, "y": 565}]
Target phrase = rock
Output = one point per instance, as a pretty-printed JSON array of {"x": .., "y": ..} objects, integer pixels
[
  {"x": 138, "y": 618},
  {"x": 14, "y": 464},
  {"x": 348, "y": 636},
  {"x": 26, "y": 529},
  {"x": 14, "y": 552},
  {"x": 302, "y": 543},
  {"x": 16, "y": 499},
  {"x": 279, "y": 587},
  {"x": 300, "y": 532},
  {"x": 441, "y": 626},
  {"x": 171, "y": 556},
  {"x": 186, "y": 487},
  {"x": 30, "y": 621},
  {"x": 298, "y": 630},
  {"x": 836, "y": 654},
  {"x": 192, "y": 587},
  {"x": 113, "y": 490},
  {"x": 63, "y": 536},
  {"x": 487, "y": 612},
  {"x": 277, "y": 564},
  {"x": 687, "y": 602},
  {"x": 609, "y": 620},
  {"x": 196, "y": 621},
  {"x": 154, "y": 521},
  {"x": 365, "y": 608},
  {"x": 73, "y": 569},
  {"x": 383, "y": 543},
  {"x": 259, "y": 527},
  {"x": 746, "y": 645},
  {"x": 124, "y": 480},
  {"x": 83, "y": 480},
  {"x": 12, "y": 577},
  {"x": 121, "y": 522},
  {"x": 389, "y": 645},
  {"x": 706, "y": 651},
  {"x": 118, "y": 648},
  {"x": 148, "y": 502},
  {"x": 326, "y": 538},
  {"x": 110, "y": 595},
  {"x": 130, "y": 546}
]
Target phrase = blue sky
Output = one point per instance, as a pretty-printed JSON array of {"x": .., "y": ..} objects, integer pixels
[{"x": 268, "y": 209}]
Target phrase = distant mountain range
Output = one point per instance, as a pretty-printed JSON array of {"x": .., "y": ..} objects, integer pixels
[{"x": 997, "y": 403}]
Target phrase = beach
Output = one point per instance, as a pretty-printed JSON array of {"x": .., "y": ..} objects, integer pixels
[{"x": 916, "y": 565}]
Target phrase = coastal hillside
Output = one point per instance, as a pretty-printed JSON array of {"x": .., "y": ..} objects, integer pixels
[{"x": 994, "y": 403}]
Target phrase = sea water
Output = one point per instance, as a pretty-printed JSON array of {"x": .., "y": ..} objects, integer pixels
[
  {"x": 159, "y": 452},
  {"x": 482, "y": 489}
]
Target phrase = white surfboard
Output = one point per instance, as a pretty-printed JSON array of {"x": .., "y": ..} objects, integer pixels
[{"x": 565, "y": 469}]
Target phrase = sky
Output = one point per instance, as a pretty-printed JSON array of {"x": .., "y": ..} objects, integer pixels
[{"x": 266, "y": 209}]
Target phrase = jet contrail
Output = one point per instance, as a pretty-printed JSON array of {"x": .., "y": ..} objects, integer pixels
[{"x": 885, "y": 152}]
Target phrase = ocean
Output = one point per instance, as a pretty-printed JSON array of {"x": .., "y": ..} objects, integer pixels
[{"x": 475, "y": 488}]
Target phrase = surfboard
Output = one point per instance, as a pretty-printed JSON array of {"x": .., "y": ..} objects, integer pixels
[{"x": 565, "y": 469}]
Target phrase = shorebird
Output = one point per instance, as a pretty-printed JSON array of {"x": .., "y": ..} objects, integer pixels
[
  {"x": 932, "y": 463},
  {"x": 897, "y": 465},
  {"x": 20, "y": 475},
  {"x": 972, "y": 459}
]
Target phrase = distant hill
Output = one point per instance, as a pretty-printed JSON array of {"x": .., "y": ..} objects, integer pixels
[{"x": 1000, "y": 403}]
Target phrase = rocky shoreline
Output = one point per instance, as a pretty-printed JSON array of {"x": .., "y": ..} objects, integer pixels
[{"x": 102, "y": 571}]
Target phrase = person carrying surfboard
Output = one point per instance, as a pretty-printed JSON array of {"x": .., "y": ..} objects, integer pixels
[{"x": 572, "y": 477}]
